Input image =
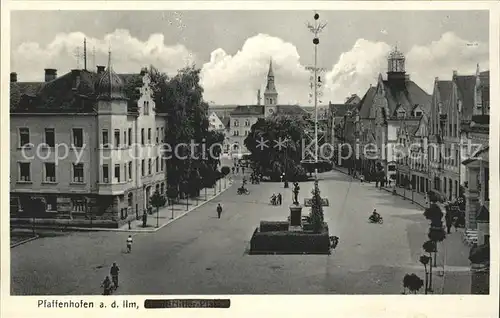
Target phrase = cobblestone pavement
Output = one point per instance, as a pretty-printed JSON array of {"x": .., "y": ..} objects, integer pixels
[{"x": 201, "y": 254}]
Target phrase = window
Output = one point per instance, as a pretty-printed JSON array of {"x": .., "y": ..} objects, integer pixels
[
  {"x": 247, "y": 122},
  {"x": 125, "y": 138},
  {"x": 78, "y": 172},
  {"x": 162, "y": 188},
  {"x": 50, "y": 138},
  {"x": 117, "y": 173},
  {"x": 149, "y": 136},
  {"x": 246, "y": 132},
  {"x": 130, "y": 170},
  {"x": 161, "y": 163},
  {"x": 125, "y": 172},
  {"x": 236, "y": 123},
  {"x": 418, "y": 113},
  {"x": 157, "y": 162},
  {"x": 51, "y": 202},
  {"x": 130, "y": 136},
  {"x": 105, "y": 138},
  {"x": 24, "y": 171},
  {"x": 142, "y": 136},
  {"x": 161, "y": 134},
  {"x": 236, "y": 133},
  {"x": 78, "y": 205},
  {"x": 143, "y": 167},
  {"x": 146, "y": 108},
  {"x": 157, "y": 135},
  {"x": 50, "y": 172},
  {"x": 24, "y": 137},
  {"x": 78, "y": 137},
  {"x": 105, "y": 173},
  {"x": 117, "y": 138},
  {"x": 149, "y": 167}
]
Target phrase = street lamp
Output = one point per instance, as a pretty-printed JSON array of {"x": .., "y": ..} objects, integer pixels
[{"x": 316, "y": 30}]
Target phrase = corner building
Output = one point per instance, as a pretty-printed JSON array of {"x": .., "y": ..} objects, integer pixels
[{"x": 85, "y": 146}]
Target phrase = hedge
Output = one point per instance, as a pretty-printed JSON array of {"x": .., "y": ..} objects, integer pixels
[
  {"x": 273, "y": 226},
  {"x": 285, "y": 242}
]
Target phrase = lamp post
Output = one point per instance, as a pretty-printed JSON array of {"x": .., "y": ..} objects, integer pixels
[{"x": 316, "y": 30}]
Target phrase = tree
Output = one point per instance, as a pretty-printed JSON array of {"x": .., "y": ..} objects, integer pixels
[
  {"x": 412, "y": 282},
  {"x": 424, "y": 260},
  {"x": 273, "y": 160},
  {"x": 157, "y": 201},
  {"x": 430, "y": 247},
  {"x": 316, "y": 216},
  {"x": 225, "y": 170},
  {"x": 434, "y": 214}
]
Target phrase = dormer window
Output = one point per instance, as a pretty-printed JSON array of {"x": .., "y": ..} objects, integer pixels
[
  {"x": 401, "y": 113},
  {"x": 236, "y": 123}
]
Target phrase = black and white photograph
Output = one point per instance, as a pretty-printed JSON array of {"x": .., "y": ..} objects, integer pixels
[{"x": 249, "y": 152}]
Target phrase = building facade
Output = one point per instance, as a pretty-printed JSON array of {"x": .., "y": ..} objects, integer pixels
[
  {"x": 393, "y": 101},
  {"x": 85, "y": 146}
]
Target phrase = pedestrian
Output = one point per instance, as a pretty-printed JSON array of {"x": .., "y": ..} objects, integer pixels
[
  {"x": 233, "y": 169},
  {"x": 106, "y": 285},
  {"x": 219, "y": 210},
  {"x": 279, "y": 198},
  {"x": 243, "y": 170},
  {"x": 237, "y": 169},
  {"x": 129, "y": 244},
  {"x": 114, "y": 274},
  {"x": 362, "y": 178},
  {"x": 449, "y": 221}
]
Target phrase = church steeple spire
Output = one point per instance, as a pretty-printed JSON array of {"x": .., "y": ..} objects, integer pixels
[{"x": 270, "y": 94}]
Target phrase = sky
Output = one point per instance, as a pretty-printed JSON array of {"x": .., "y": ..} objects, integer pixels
[{"x": 233, "y": 48}]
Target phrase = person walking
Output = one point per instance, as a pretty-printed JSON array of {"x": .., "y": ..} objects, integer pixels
[
  {"x": 233, "y": 169},
  {"x": 449, "y": 221},
  {"x": 279, "y": 198},
  {"x": 242, "y": 169},
  {"x": 114, "y": 274},
  {"x": 129, "y": 244},
  {"x": 219, "y": 210},
  {"x": 106, "y": 285}
]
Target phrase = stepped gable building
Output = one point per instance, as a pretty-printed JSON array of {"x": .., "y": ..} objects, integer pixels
[
  {"x": 85, "y": 146},
  {"x": 384, "y": 107},
  {"x": 244, "y": 116}
]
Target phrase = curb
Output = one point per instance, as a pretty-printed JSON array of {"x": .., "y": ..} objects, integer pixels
[
  {"x": 149, "y": 230},
  {"x": 25, "y": 241},
  {"x": 388, "y": 190}
]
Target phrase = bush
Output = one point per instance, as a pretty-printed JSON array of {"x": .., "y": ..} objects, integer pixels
[
  {"x": 285, "y": 242},
  {"x": 225, "y": 170},
  {"x": 273, "y": 226}
]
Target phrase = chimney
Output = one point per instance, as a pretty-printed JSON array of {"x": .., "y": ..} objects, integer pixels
[
  {"x": 50, "y": 74},
  {"x": 100, "y": 69},
  {"x": 13, "y": 77},
  {"x": 455, "y": 73}
]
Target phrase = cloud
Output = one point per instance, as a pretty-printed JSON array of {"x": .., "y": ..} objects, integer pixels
[
  {"x": 128, "y": 54},
  {"x": 235, "y": 78}
]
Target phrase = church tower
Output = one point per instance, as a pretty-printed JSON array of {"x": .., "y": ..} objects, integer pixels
[{"x": 270, "y": 94}]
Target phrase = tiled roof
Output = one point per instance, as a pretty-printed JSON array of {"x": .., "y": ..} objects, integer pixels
[
  {"x": 249, "y": 110},
  {"x": 445, "y": 88},
  {"x": 294, "y": 110},
  {"x": 466, "y": 86},
  {"x": 407, "y": 95},
  {"x": 367, "y": 102},
  {"x": 226, "y": 121},
  {"x": 59, "y": 94},
  {"x": 18, "y": 89},
  {"x": 340, "y": 110},
  {"x": 354, "y": 99}
]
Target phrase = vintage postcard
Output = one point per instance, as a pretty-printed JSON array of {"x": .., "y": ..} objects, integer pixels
[{"x": 198, "y": 154}]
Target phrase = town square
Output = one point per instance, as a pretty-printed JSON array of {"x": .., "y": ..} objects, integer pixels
[{"x": 185, "y": 153}]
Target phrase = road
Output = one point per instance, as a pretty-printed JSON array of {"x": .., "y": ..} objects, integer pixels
[{"x": 200, "y": 254}]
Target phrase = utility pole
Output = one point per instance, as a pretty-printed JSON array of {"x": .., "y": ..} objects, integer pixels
[{"x": 316, "y": 29}]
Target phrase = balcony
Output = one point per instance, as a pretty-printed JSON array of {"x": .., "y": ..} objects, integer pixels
[{"x": 113, "y": 188}]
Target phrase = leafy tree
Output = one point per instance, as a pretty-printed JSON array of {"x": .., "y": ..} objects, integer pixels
[
  {"x": 434, "y": 214},
  {"x": 412, "y": 282},
  {"x": 225, "y": 170},
  {"x": 181, "y": 99},
  {"x": 316, "y": 216},
  {"x": 273, "y": 160},
  {"x": 157, "y": 201},
  {"x": 424, "y": 260}
]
